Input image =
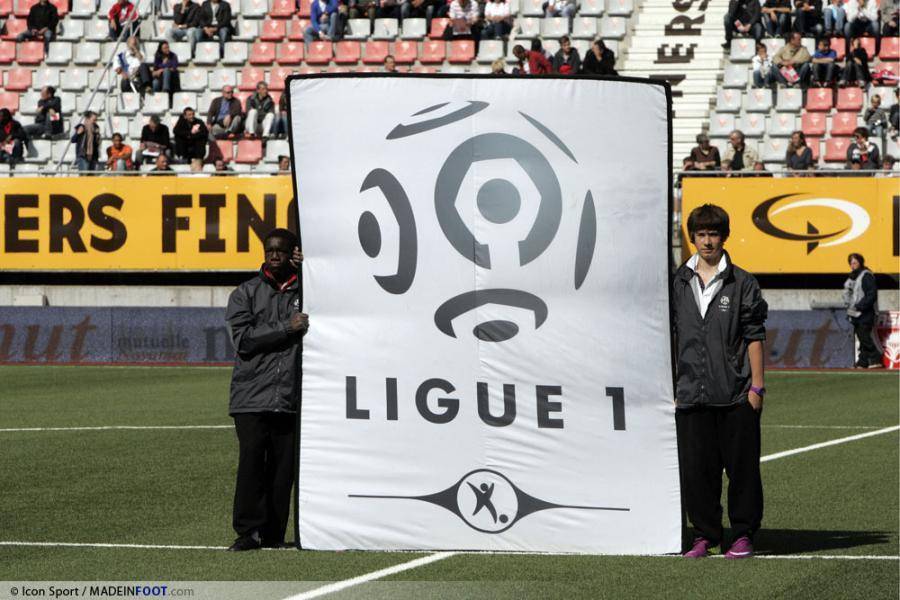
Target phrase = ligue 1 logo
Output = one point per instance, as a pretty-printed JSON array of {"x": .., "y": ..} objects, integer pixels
[{"x": 498, "y": 202}]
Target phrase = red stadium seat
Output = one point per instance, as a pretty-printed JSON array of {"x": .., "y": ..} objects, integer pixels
[
  {"x": 262, "y": 53},
  {"x": 277, "y": 77},
  {"x": 433, "y": 52},
  {"x": 334, "y": 69},
  {"x": 843, "y": 123},
  {"x": 23, "y": 6},
  {"x": 367, "y": 70},
  {"x": 7, "y": 52},
  {"x": 220, "y": 149},
  {"x": 304, "y": 9},
  {"x": 346, "y": 52},
  {"x": 890, "y": 67},
  {"x": 290, "y": 53},
  {"x": 850, "y": 98},
  {"x": 14, "y": 26},
  {"x": 30, "y": 53},
  {"x": 250, "y": 76},
  {"x": 9, "y": 100},
  {"x": 437, "y": 28},
  {"x": 249, "y": 152},
  {"x": 307, "y": 70},
  {"x": 461, "y": 52},
  {"x": 18, "y": 80},
  {"x": 62, "y": 7},
  {"x": 319, "y": 53},
  {"x": 405, "y": 53},
  {"x": 812, "y": 124},
  {"x": 890, "y": 48},
  {"x": 836, "y": 149},
  {"x": 282, "y": 9},
  {"x": 296, "y": 27},
  {"x": 868, "y": 44},
  {"x": 820, "y": 99},
  {"x": 242, "y": 97},
  {"x": 814, "y": 143},
  {"x": 839, "y": 46},
  {"x": 375, "y": 53},
  {"x": 273, "y": 30},
  {"x": 6, "y": 7},
  {"x": 421, "y": 69}
]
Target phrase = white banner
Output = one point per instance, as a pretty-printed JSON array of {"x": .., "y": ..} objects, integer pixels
[{"x": 488, "y": 362}]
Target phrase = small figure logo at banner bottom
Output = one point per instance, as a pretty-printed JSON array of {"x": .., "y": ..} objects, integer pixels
[{"x": 487, "y": 501}]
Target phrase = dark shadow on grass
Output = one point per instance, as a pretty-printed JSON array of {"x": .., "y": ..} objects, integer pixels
[{"x": 802, "y": 541}]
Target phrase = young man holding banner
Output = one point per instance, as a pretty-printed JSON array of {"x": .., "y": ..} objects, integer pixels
[
  {"x": 719, "y": 331},
  {"x": 266, "y": 326}
]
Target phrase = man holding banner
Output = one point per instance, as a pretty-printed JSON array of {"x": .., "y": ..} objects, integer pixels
[{"x": 719, "y": 318}]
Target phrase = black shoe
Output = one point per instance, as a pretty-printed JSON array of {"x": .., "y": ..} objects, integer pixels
[
  {"x": 280, "y": 544},
  {"x": 244, "y": 543}
]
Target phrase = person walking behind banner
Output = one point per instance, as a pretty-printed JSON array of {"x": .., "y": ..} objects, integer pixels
[
  {"x": 861, "y": 298},
  {"x": 719, "y": 331},
  {"x": 266, "y": 326}
]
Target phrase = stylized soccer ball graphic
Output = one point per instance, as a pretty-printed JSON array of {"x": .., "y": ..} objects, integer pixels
[{"x": 497, "y": 200}]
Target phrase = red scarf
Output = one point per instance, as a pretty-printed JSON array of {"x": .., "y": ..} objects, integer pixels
[{"x": 281, "y": 286}]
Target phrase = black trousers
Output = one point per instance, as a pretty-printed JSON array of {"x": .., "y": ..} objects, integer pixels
[
  {"x": 710, "y": 439},
  {"x": 265, "y": 474},
  {"x": 869, "y": 353}
]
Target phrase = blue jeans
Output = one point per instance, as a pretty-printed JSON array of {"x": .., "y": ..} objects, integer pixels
[
  {"x": 165, "y": 82},
  {"x": 834, "y": 23},
  {"x": 802, "y": 71},
  {"x": 311, "y": 35},
  {"x": 83, "y": 164},
  {"x": 18, "y": 151},
  {"x": 762, "y": 79},
  {"x": 496, "y": 30},
  {"x": 28, "y": 35},
  {"x": 279, "y": 125},
  {"x": 778, "y": 27},
  {"x": 223, "y": 34},
  {"x": 860, "y": 27}
]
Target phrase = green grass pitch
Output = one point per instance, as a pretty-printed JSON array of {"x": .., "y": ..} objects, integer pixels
[{"x": 174, "y": 487}]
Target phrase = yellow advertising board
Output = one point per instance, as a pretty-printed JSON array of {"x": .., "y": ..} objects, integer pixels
[
  {"x": 803, "y": 224},
  {"x": 140, "y": 223}
]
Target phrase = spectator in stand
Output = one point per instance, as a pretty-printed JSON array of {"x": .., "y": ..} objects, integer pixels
[
  {"x": 763, "y": 74},
  {"x": 388, "y": 9},
  {"x": 560, "y": 8},
  {"x": 165, "y": 70},
  {"x": 566, "y": 60},
  {"x": 122, "y": 16},
  {"x": 531, "y": 62},
  {"x": 497, "y": 20},
  {"x": 465, "y": 22},
  {"x": 284, "y": 164},
  {"x": 894, "y": 114},
  {"x": 162, "y": 165},
  {"x": 738, "y": 156},
  {"x": 87, "y": 143},
  {"x": 861, "y": 298},
  {"x": 862, "y": 18},
  {"x": 835, "y": 18},
  {"x": 118, "y": 155},
  {"x": 221, "y": 167},
  {"x": 799, "y": 156},
  {"x": 12, "y": 139},
  {"x": 214, "y": 22},
  {"x": 890, "y": 17},
  {"x": 260, "y": 112},
  {"x": 498, "y": 67},
  {"x": 136, "y": 75},
  {"x": 48, "y": 120},
  {"x": 808, "y": 17},
  {"x": 42, "y": 21},
  {"x": 759, "y": 170},
  {"x": 280, "y": 124},
  {"x": 225, "y": 115},
  {"x": 324, "y": 19},
  {"x": 776, "y": 17},
  {"x": 185, "y": 23},
  {"x": 600, "y": 60},
  {"x": 823, "y": 63},
  {"x": 791, "y": 63},
  {"x": 856, "y": 71},
  {"x": 876, "y": 117},
  {"x": 862, "y": 155},
  {"x": 191, "y": 136},
  {"x": 887, "y": 163},
  {"x": 417, "y": 9},
  {"x": 390, "y": 64},
  {"x": 154, "y": 141},
  {"x": 704, "y": 156},
  {"x": 743, "y": 17},
  {"x": 362, "y": 9}
]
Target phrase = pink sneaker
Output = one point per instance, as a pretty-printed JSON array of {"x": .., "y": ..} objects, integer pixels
[
  {"x": 700, "y": 549},
  {"x": 741, "y": 548}
]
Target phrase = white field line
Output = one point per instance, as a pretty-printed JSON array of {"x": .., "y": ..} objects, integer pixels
[
  {"x": 820, "y": 427},
  {"x": 115, "y": 427},
  {"x": 842, "y": 440}
]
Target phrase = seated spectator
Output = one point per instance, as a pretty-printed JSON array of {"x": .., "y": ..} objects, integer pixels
[
  {"x": 362, "y": 9},
  {"x": 856, "y": 71},
  {"x": 498, "y": 67},
  {"x": 759, "y": 170},
  {"x": 705, "y": 157},
  {"x": 560, "y": 8},
  {"x": 738, "y": 157},
  {"x": 763, "y": 74},
  {"x": 280, "y": 124},
  {"x": 791, "y": 63},
  {"x": 876, "y": 117},
  {"x": 890, "y": 17},
  {"x": 823, "y": 62},
  {"x": 390, "y": 64},
  {"x": 835, "y": 18},
  {"x": 284, "y": 164},
  {"x": 221, "y": 167},
  {"x": 808, "y": 17},
  {"x": 191, "y": 136},
  {"x": 497, "y": 20},
  {"x": 894, "y": 114},
  {"x": 887, "y": 163},
  {"x": 214, "y": 22},
  {"x": 417, "y": 9},
  {"x": 388, "y": 9},
  {"x": 42, "y": 21},
  {"x": 600, "y": 60},
  {"x": 162, "y": 165},
  {"x": 165, "y": 70},
  {"x": 118, "y": 155},
  {"x": 324, "y": 20},
  {"x": 154, "y": 141},
  {"x": 225, "y": 115},
  {"x": 743, "y": 17},
  {"x": 136, "y": 75},
  {"x": 122, "y": 16},
  {"x": 465, "y": 22},
  {"x": 862, "y": 154},
  {"x": 12, "y": 139},
  {"x": 87, "y": 143},
  {"x": 776, "y": 17},
  {"x": 799, "y": 156},
  {"x": 185, "y": 23},
  {"x": 862, "y": 18},
  {"x": 566, "y": 60},
  {"x": 531, "y": 62},
  {"x": 260, "y": 112},
  {"x": 48, "y": 120}
]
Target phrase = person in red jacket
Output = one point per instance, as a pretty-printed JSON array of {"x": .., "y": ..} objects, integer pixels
[
  {"x": 531, "y": 62},
  {"x": 122, "y": 14}
]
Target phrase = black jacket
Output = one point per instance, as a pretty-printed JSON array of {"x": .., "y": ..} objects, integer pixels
[
  {"x": 160, "y": 136},
  {"x": 223, "y": 14},
  {"x": 267, "y": 353},
  {"x": 44, "y": 105},
  {"x": 43, "y": 16},
  {"x": 189, "y": 17},
  {"x": 712, "y": 364},
  {"x": 746, "y": 11},
  {"x": 605, "y": 66}
]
